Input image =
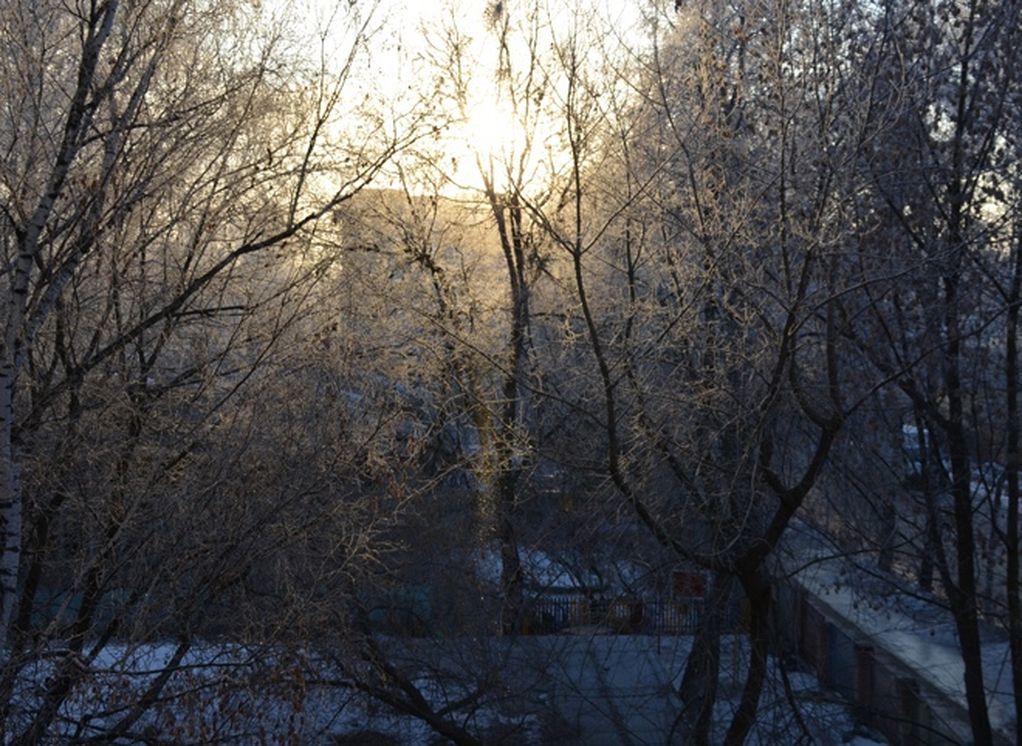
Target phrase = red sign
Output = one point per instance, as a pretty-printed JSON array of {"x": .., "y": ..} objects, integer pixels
[{"x": 689, "y": 584}]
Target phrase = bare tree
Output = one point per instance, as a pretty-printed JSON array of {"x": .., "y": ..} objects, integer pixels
[
  {"x": 706, "y": 283},
  {"x": 943, "y": 203},
  {"x": 166, "y": 168}
]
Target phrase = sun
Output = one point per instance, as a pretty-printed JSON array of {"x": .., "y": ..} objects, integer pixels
[
  {"x": 495, "y": 143},
  {"x": 495, "y": 132}
]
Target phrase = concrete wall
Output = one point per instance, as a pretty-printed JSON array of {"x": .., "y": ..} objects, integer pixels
[{"x": 882, "y": 691}]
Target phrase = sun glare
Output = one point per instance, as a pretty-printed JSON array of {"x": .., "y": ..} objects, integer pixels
[
  {"x": 487, "y": 137},
  {"x": 495, "y": 143}
]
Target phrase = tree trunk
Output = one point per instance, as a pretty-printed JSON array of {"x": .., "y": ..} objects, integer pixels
[
  {"x": 757, "y": 589},
  {"x": 508, "y": 215},
  {"x": 698, "y": 688},
  {"x": 963, "y": 600},
  {"x": 10, "y": 504},
  {"x": 1012, "y": 473}
]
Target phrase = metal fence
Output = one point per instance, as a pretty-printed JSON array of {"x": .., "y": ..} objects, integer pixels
[{"x": 547, "y": 616}]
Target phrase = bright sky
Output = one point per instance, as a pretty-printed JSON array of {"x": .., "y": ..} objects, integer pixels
[{"x": 409, "y": 56}]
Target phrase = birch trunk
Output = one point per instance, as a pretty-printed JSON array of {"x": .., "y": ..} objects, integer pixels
[{"x": 81, "y": 108}]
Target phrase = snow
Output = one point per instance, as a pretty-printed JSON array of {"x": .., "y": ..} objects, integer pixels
[
  {"x": 599, "y": 689},
  {"x": 863, "y": 741}
]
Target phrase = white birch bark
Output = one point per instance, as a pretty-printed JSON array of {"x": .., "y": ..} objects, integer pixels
[{"x": 12, "y": 353}]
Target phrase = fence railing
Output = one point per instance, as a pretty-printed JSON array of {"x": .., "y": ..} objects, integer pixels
[{"x": 547, "y": 616}]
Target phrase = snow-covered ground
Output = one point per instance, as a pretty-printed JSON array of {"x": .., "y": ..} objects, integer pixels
[{"x": 568, "y": 689}]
